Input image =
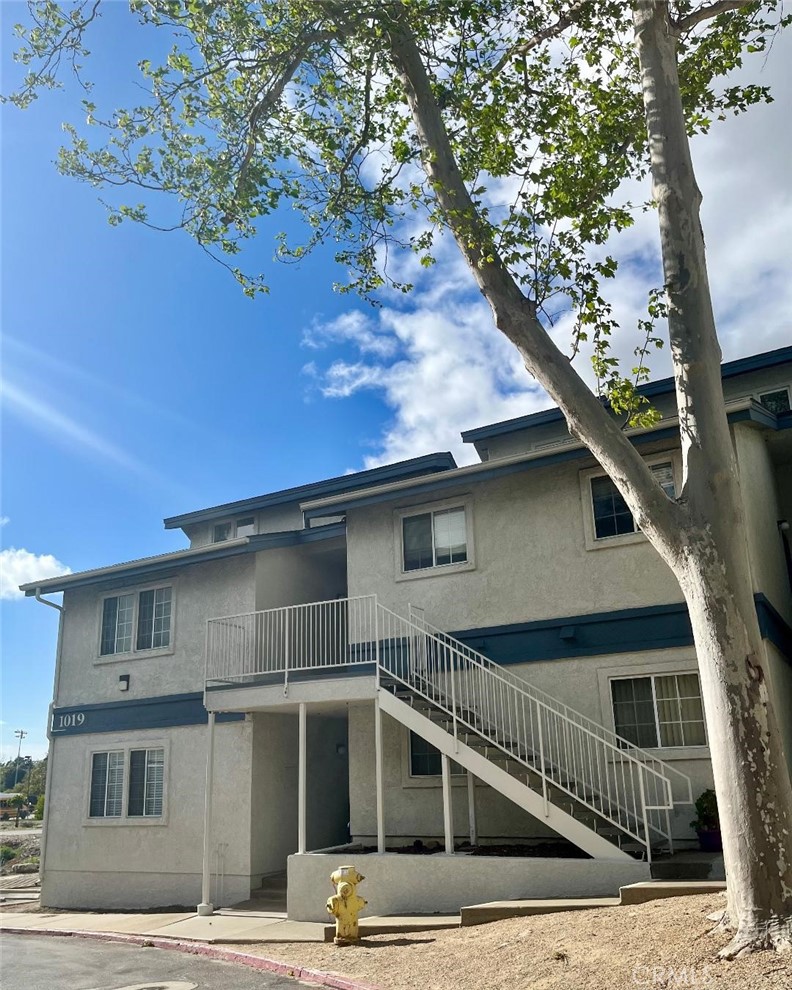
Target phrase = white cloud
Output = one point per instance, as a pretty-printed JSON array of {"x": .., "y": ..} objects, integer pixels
[
  {"x": 4, "y": 520},
  {"x": 23, "y": 567},
  {"x": 441, "y": 366}
]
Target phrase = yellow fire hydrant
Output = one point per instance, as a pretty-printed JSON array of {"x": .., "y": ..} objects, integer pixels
[{"x": 345, "y": 905}]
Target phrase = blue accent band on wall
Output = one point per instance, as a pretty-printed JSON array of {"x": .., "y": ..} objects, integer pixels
[
  {"x": 774, "y": 627},
  {"x": 656, "y": 627},
  {"x": 164, "y": 712},
  {"x": 632, "y": 630}
]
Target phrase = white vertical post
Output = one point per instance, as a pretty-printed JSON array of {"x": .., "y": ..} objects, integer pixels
[
  {"x": 379, "y": 777},
  {"x": 471, "y": 789},
  {"x": 206, "y": 907},
  {"x": 302, "y": 779},
  {"x": 448, "y": 817}
]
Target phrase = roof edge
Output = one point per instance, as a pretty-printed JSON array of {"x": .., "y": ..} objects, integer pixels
[{"x": 740, "y": 366}]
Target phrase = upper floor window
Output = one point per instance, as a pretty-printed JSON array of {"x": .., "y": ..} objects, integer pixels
[
  {"x": 659, "y": 711},
  {"x": 776, "y": 401},
  {"x": 611, "y": 515},
  {"x": 140, "y": 621},
  {"x": 234, "y": 529},
  {"x": 432, "y": 539}
]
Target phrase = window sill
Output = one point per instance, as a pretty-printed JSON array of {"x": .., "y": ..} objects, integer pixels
[
  {"x": 671, "y": 753},
  {"x": 127, "y": 822},
  {"x": 623, "y": 539},
  {"x": 457, "y": 780},
  {"x": 426, "y": 572},
  {"x": 132, "y": 656}
]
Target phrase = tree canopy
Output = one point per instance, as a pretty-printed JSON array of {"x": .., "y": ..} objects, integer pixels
[{"x": 300, "y": 103}]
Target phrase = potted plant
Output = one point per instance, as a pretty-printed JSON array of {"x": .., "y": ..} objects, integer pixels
[{"x": 707, "y": 824}]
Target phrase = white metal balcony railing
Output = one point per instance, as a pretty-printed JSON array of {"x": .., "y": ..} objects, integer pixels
[{"x": 556, "y": 748}]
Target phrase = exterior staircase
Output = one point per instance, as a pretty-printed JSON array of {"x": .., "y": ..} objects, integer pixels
[{"x": 592, "y": 787}]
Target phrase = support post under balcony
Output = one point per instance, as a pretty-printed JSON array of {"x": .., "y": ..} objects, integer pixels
[
  {"x": 448, "y": 811},
  {"x": 471, "y": 793},
  {"x": 379, "y": 776},
  {"x": 302, "y": 779},
  {"x": 206, "y": 907}
]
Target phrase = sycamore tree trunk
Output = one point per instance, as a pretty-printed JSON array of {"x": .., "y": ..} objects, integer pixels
[
  {"x": 710, "y": 557},
  {"x": 701, "y": 535}
]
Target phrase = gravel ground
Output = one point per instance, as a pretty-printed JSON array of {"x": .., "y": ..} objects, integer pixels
[{"x": 660, "y": 945}]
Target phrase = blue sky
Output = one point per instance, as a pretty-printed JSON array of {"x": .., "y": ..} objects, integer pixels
[{"x": 138, "y": 381}]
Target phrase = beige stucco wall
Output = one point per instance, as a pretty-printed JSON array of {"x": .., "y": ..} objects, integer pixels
[
  {"x": 130, "y": 863},
  {"x": 403, "y": 884},
  {"x": 530, "y": 558},
  {"x": 413, "y": 807},
  {"x": 738, "y": 387},
  {"x": 200, "y": 592},
  {"x": 275, "y": 519},
  {"x": 762, "y": 512},
  {"x": 297, "y": 575}
]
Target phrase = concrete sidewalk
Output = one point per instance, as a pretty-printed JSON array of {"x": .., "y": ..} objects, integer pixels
[{"x": 234, "y": 928}]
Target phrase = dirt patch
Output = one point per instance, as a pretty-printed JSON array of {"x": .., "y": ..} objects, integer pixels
[
  {"x": 661, "y": 945},
  {"x": 20, "y": 852}
]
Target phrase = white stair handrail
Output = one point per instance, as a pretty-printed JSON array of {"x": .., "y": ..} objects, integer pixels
[
  {"x": 617, "y": 781},
  {"x": 596, "y": 727}
]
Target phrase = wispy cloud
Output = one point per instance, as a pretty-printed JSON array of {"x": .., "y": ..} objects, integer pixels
[
  {"x": 4, "y": 520},
  {"x": 441, "y": 366},
  {"x": 23, "y": 567},
  {"x": 58, "y": 426}
]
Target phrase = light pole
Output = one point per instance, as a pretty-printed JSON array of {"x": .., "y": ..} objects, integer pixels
[{"x": 20, "y": 734}]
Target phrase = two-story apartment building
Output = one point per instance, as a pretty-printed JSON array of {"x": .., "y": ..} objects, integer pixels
[{"x": 420, "y": 653}]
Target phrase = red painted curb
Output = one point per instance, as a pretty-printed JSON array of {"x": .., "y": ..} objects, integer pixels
[{"x": 210, "y": 951}]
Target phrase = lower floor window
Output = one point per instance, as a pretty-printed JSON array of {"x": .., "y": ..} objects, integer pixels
[
  {"x": 144, "y": 769},
  {"x": 659, "y": 710},
  {"x": 426, "y": 759}
]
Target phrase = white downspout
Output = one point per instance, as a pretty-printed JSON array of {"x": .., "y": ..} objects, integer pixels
[{"x": 51, "y": 753}]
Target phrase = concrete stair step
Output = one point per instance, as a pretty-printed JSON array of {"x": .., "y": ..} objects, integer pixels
[
  {"x": 655, "y": 890},
  {"x": 482, "y": 914}
]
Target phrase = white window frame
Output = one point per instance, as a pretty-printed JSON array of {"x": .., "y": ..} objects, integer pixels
[
  {"x": 686, "y": 663},
  {"x": 399, "y": 515},
  {"x": 594, "y": 542},
  {"x": 234, "y": 524},
  {"x": 770, "y": 391},
  {"x": 423, "y": 781},
  {"x": 125, "y": 745},
  {"x": 134, "y": 654}
]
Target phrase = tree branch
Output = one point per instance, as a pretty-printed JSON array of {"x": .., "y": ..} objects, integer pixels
[
  {"x": 552, "y": 31},
  {"x": 706, "y": 13},
  {"x": 515, "y": 314}
]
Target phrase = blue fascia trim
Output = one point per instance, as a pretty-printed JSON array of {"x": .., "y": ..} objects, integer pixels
[
  {"x": 163, "y": 712},
  {"x": 166, "y": 568},
  {"x": 774, "y": 627},
  {"x": 756, "y": 362},
  {"x": 426, "y": 486},
  {"x": 297, "y": 537},
  {"x": 416, "y": 466},
  {"x": 654, "y": 627},
  {"x": 133, "y": 573},
  {"x": 496, "y": 470}
]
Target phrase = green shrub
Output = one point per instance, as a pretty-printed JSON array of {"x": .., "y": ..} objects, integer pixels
[
  {"x": 6, "y": 853},
  {"x": 38, "y": 814}
]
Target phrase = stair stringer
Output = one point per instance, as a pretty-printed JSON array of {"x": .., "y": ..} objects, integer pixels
[{"x": 507, "y": 785}]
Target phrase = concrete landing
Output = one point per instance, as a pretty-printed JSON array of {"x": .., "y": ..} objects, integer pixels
[
  {"x": 482, "y": 914},
  {"x": 655, "y": 890},
  {"x": 394, "y": 924}
]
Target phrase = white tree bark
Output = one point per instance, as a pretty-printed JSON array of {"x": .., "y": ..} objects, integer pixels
[
  {"x": 701, "y": 535},
  {"x": 711, "y": 559}
]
